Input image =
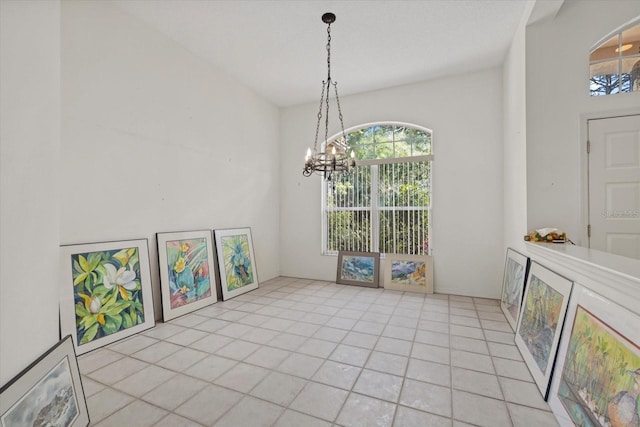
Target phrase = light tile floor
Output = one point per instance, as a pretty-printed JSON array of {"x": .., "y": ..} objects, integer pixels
[{"x": 308, "y": 353}]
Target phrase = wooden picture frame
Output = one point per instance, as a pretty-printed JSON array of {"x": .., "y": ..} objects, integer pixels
[
  {"x": 540, "y": 322},
  {"x": 598, "y": 364},
  {"x": 516, "y": 268},
  {"x": 105, "y": 292},
  {"x": 411, "y": 273},
  {"x": 236, "y": 261},
  {"x": 358, "y": 268},
  {"x": 188, "y": 279},
  {"x": 48, "y": 391}
]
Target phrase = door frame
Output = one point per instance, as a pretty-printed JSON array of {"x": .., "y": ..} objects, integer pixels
[{"x": 584, "y": 163}]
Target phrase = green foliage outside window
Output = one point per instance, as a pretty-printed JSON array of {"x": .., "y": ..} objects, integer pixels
[{"x": 402, "y": 196}]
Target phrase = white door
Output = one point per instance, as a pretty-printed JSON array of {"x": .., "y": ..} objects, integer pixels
[{"x": 614, "y": 185}]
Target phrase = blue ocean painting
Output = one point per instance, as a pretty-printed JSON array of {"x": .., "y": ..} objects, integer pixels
[{"x": 360, "y": 268}]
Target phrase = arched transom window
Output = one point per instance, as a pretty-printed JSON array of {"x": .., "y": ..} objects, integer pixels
[
  {"x": 614, "y": 65},
  {"x": 384, "y": 205}
]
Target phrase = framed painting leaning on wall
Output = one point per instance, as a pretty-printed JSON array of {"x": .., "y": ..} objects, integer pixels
[
  {"x": 105, "y": 292},
  {"x": 540, "y": 322},
  {"x": 236, "y": 261},
  {"x": 47, "y": 393},
  {"x": 516, "y": 267},
  {"x": 187, "y": 272},
  {"x": 597, "y": 376},
  {"x": 412, "y": 273},
  {"x": 358, "y": 268}
]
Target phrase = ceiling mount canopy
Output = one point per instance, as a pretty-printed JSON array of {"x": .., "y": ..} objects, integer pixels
[
  {"x": 329, "y": 18},
  {"x": 327, "y": 163}
]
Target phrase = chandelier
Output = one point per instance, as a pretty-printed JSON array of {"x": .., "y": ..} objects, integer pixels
[{"x": 327, "y": 163}]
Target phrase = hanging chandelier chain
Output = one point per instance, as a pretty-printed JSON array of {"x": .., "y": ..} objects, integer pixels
[
  {"x": 335, "y": 86},
  {"x": 326, "y": 118},
  {"x": 326, "y": 163},
  {"x": 329, "y": 52},
  {"x": 315, "y": 143}
]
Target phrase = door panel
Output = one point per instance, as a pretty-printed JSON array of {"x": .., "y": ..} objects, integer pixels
[{"x": 614, "y": 185}]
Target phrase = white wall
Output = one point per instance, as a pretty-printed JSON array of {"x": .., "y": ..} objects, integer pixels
[
  {"x": 29, "y": 206},
  {"x": 154, "y": 140},
  {"x": 465, "y": 114},
  {"x": 558, "y": 99},
  {"x": 515, "y": 139}
]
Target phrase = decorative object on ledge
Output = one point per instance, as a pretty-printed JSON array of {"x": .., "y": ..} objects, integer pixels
[
  {"x": 47, "y": 393},
  {"x": 597, "y": 376},
  {"x": 326, "y": 162},
  {"x": 412, "y": 273},
  {"x": 540, "y": 322},
  {"x": 358, "y": 268},
  {"x": 105, "y": 292},
  {"x": 549, "y": 235},
  {"x": 236, "y": 262},
  {"x": 516, "y": 267},
  {"x": 187, "y": 272}
]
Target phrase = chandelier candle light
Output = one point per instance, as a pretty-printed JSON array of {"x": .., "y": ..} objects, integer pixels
[{"x": 321, "y": 162}]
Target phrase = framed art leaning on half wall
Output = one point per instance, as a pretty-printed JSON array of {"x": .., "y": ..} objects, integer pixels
[{"x": 516, "y": 267}]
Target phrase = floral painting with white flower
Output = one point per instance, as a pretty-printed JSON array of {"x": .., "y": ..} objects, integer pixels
[{"x": 107, "y": 292}]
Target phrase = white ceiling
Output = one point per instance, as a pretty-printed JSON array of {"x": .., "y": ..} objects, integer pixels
[{"x": 277, "y": 48}]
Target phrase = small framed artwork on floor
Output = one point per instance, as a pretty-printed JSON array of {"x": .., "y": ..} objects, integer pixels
[
  {"x": 516, "y": 267},
  {"x": 597, "y": 377},
  {"x": 105, "y": 292},
  {"x": 236, "y": 262},
  {"x": 540, "y": 322},
  {"x": 412, "y": 273},
  {"x": 358, "y": 268},
  {"x": 47, "y": 393},
  {"x": 187, "y": 273}
]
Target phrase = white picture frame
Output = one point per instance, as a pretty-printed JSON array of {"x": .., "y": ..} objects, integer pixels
[
  {"x": 188, "y": 279},
  {"x": 585, "y": 382},
  {"x": 540, "y": 322},
  {"x": 38, "y": 392},
  {"x": 236, "y": 261},
  {"x": 516, "y": 267},
  {"x": 105, "y": 292}
]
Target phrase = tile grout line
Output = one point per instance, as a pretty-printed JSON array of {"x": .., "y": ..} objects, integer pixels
[{"x": 400, "y": 302}]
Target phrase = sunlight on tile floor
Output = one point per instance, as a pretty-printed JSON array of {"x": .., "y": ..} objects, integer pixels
[{"x": 304, "y": 353}]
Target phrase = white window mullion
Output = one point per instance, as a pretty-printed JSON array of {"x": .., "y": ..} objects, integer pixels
[
  {"x": 374, "y": 213},
  {"x": 395, "y": 209},
  {"x": 420, "y": 233},
  {"x": 410, "y": 201},
  {"x": 350, "y": 197}
]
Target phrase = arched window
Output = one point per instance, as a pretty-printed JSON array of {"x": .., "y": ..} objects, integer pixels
[
  {"x": 384, "y": 205},
  {"x": 614, "y": 65}
]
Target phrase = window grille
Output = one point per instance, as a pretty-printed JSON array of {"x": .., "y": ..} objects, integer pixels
[
  {"x": 614, "y": 65},
  {"x": 385, "y": 204}
]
